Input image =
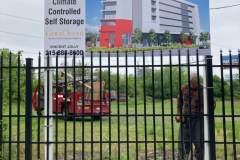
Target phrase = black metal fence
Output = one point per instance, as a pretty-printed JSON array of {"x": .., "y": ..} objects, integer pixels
[{"x": 91, "y": 120}]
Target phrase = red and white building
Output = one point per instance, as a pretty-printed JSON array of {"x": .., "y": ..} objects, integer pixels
[
  {"x": 121, "y": 17},
  {"x": 116, "y": 23}
]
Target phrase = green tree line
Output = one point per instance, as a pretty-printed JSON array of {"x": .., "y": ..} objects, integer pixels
[
  {"x": 161, "y": 83},
  {"x": 14, "y": 76},
  {"x": 167, "y": 37},
  {"x": 162, "y": 80}
]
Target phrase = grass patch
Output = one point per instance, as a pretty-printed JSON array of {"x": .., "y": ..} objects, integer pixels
[{"x": 118, "y": 132}]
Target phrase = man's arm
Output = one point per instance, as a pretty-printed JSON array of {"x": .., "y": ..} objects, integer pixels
[
  {"x": 179, "y": 107},
  {"x": 179, "y": 103}
]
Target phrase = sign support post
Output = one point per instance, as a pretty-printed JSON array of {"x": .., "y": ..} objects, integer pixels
[
  {"x": 206, "y": 119},
  {"x": 48, "y": 108},
  {"x": 209, "y": 125}
]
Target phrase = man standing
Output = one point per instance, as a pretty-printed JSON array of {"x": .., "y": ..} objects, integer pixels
[{"x": 190, "y": 107}]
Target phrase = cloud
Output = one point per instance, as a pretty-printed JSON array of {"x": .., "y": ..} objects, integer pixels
[
  {"x": 96, "y": 19},
  {"x": 202, "y": 30},
  {"x": 93, "y": 29}
]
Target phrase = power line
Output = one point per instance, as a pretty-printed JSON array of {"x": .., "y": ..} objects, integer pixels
[
  {"x": 220, "y": 45},
  {"x": 21, "y": 34},
  {"x": 21, "y": 17},
  {"x": 226, "y": 6},
  {"x": 19, "y": 4}
]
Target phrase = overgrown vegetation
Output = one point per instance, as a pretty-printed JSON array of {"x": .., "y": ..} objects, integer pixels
[{"x": 14, "y": 84}]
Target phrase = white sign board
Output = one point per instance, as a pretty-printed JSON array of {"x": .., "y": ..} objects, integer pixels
[{"x": 64, "y": 31}]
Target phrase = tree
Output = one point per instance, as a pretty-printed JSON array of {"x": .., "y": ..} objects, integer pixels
[
  {"x": 182, "y": 37},
  {"x": 78, "y": 69},
  {"x": 166, "y": 82},
  {"x": 167, "y": 38},
  {"x": 152, "y": 37},
  {"x": 204, "y": 36},
  {"x": 217, "y": 85},
  {"x": 137, "y": 36},
  {"x": 192, "y": 38},
  {"x": 14, "y": 77},
  {"x": 207, "y": 35},
  {"x": 236, "y": 91},
  {"x": 91, "y": 37}
]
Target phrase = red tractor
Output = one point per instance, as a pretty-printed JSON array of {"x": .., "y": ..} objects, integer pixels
[{"x": 65, "y": 102}]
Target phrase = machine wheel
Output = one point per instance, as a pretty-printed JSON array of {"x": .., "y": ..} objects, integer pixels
[
  {"x": 39, "y": 113},
  {"x": 65, "y": 112},
  {"x": 98, "y": 117}
]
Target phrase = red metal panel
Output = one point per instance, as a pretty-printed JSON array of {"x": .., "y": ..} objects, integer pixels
[{"x": 122, "y": 26}]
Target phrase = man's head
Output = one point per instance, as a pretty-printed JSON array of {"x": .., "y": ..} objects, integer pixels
[{"x": 193, "y": 79}]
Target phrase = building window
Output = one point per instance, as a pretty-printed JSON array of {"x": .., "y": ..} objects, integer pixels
[
  {"x": 111, "y": 23},
  {"x": 109, "y": 15},
  {"x": 110, "y": 6},
  {"x": 153, "y": 19},
  {"x": 112, "y": 40},
  {"x": 126, "y": 39}
]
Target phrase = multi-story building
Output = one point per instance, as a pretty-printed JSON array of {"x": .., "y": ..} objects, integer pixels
[{"x": 121, "y": 17}]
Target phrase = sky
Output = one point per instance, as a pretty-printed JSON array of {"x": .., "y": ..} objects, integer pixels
[
  {"x": 22, "y": 26},
  {"x": 93, "y": 12},
  {"x": 203, "y": 7}
]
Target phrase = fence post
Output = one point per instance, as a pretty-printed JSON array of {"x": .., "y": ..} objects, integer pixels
[
  {"x": 28, "y": 120},
  {"x": 1, "y": 102},
  {"x": 210, "y": 149}
]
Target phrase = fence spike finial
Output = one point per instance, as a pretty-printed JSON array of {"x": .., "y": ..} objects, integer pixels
[{"x": 221, "y": 51}]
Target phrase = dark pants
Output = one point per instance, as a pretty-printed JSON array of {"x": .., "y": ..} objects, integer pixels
[{"x": 196, "y": 133}]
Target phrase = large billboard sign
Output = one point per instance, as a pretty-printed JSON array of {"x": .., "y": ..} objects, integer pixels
[
  {"x": 226, "y": 60},
  {"x": 227, "y": 77},
  {"x": 64, "y": 31}
]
